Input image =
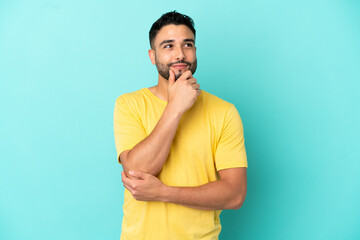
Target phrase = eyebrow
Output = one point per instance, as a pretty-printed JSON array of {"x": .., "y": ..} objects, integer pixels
[
  {"x": 189, "y": 40},
  {"x": 171, "y": 41}
]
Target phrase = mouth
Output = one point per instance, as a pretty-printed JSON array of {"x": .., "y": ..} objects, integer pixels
[{"x": 179, "y": 66}]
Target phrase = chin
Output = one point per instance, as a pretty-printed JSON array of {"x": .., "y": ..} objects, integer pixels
[{"x": 177, "y": 76}]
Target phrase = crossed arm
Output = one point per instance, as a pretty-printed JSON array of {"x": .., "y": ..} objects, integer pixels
[
  {"x": 226, "y": 193},
  {"x": 142, "y": 163}
]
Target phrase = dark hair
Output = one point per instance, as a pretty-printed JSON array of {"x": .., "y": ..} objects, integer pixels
[{"x": 170, "y": 18}]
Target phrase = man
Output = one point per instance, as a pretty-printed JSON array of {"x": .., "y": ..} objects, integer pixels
[{"x": 182, "y": 149}]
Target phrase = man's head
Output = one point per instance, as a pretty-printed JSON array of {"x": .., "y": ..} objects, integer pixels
[
  {"x": 167, "y": 19},
  {"x": 172, "y": 41}
]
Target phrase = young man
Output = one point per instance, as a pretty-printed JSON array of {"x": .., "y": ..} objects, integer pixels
[{"x": 182, "y": 149}]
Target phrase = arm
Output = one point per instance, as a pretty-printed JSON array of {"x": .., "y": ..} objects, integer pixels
[
  {"x": 226, "y": 193},
  {"x": 150, "y": 154}
]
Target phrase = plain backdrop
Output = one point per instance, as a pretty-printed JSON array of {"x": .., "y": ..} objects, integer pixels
[{"x": 292, "y": 69}]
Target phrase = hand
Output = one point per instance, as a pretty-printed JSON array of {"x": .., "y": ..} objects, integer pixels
[
  {"x": 143, "y": 186},
  {"x": 182, "y": 93}
]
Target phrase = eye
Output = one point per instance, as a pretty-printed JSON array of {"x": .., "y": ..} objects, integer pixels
[
  {"x": 168, "y": 46},
  {"x": 188, "y": 45}
]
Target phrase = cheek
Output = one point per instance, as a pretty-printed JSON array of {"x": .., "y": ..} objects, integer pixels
[
  {"x": 191, "y": 54},
  {"x": 163, "y": 58},
  {"x": 167, "y": 57}
]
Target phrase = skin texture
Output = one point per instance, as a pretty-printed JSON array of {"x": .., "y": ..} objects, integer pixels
[
  {"x": 175, "y": 44},
  {"x": 164, "y": 70},
  {"x": 183, "y": 52},
  {"x": 226, "y": 193}
]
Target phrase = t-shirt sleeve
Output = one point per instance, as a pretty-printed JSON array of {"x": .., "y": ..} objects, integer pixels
[
  {"x": 128, "y": 128},
  {"x": 230, "y": 151}
]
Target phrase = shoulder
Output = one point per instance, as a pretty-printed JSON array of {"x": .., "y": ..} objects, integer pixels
[
  {"x": 133, "y": 102},
  {"x": 131, "y": 97},
  {"x": 215, "y": 103}
]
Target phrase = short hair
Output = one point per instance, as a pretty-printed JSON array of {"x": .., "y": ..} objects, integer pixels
[{"x": 167, "y": 19}]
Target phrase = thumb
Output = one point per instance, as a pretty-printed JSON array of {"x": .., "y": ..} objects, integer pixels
[
  {"x": 171, "y": 77},
  {"x": 137, "y": 174}
]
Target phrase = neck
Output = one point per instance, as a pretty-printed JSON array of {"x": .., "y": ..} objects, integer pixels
[{"x": 161, "y": 89}]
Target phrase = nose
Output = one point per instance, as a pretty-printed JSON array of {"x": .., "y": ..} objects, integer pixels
[{"x": 179, "y": 54}]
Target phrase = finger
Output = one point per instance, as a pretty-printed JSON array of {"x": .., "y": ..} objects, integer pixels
[
  {"x": 171, "y": 77},
  {"x": 128, "y": 188},
  {"x": 126, "y": 185},
  {"x": 192, "y": 80},
  {"x": 137, "y": 174},
  {"x": 125, "y": 179},
  {"x": 186, "y": 75},
  {"x": 196, "y": 86},
  {"x": 123, "y": 175}
]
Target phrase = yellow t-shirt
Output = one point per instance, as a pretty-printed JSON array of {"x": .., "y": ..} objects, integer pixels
[{"x": 209, "y": 138}]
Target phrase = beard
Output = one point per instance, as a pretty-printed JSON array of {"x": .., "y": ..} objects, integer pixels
[{"x": 163, "y": 69}]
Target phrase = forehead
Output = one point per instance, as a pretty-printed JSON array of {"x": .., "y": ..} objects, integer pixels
[{"x": 173, "y": 32}]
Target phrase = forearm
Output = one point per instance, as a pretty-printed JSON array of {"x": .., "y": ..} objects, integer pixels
[
  {"x": 211, "y": 196},
  {"x": 150, "y": 154}
]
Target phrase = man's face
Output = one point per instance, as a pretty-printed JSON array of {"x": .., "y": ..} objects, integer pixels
[{"x": 174, "y": 48}]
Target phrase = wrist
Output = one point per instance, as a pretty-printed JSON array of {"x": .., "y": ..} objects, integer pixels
[
  {"x": 173, "y": 111},
  {"x": 167, "y": 193}
]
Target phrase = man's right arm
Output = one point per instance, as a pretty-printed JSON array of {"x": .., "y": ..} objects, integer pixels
[{"x": 150, "y": 154}]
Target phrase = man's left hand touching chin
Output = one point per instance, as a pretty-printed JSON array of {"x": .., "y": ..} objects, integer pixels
[{"x": 144, "y": 186}]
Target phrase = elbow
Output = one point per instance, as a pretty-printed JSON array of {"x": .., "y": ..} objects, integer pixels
[
  {"x": 237, "y": 201},
  {"x": 126, "y": 162},
  {"x": 239, "y": 204},
  {"x": 149, "y": 171},
  {"x": 129, "y": 163}
]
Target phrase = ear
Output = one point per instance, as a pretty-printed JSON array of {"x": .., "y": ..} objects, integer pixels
[{"x": 152, "y": 56}]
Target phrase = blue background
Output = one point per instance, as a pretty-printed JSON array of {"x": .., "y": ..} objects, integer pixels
[{"x": 292, "y": 69}]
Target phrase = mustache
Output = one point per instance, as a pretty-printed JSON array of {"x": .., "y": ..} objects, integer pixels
[{"x": 184, "y": 62}]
